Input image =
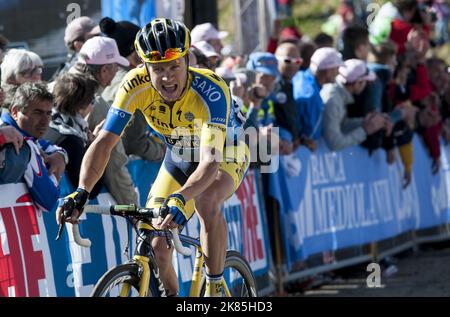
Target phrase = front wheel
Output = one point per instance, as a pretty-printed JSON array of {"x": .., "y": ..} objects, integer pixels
[
  {"x": 120, "y": 281},
  {"x": 238, "y": 276}
]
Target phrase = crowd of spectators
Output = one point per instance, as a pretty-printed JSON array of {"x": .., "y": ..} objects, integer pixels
[{"x": 356, "y": 83}]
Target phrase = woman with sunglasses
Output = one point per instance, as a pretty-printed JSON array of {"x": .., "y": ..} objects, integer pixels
[{"x": 191, "y": 111}]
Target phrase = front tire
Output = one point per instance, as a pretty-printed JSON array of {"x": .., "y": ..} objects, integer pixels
[{"x": 112, "y": 281}]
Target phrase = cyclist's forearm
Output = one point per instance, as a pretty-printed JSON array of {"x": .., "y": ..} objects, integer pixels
[
  {"x": 94, "y": 163},
  {"x": 200, "y": 180}
]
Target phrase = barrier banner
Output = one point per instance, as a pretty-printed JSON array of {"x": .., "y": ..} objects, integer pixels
[
  {"x": 32, "y": 263},
  {"x": 332, "y": 200}
]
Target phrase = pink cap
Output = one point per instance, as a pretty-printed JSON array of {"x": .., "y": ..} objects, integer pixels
[
  {"x": 355, "y": 70},
  {"x": 206, "y": 32},
  {"x": 206, "y": 49},
  {"x": 325, "y": 58},
  {"x": 101, "y": 51}
]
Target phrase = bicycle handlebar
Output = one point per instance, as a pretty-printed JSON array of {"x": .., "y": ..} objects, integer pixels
[{"x": 110, "y": 210}]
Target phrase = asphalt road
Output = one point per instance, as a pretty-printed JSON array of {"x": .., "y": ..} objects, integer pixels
[{"x": 422, "y": 273}]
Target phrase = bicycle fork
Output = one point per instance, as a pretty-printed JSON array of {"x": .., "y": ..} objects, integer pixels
[
  {"x": 144, "y": 258},
  {"x": 197, "y": 275}
]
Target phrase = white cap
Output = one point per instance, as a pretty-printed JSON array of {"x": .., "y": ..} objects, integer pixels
[
  {"x": 206, "y": 49},
  {"x": 325, "y": 58},
  {"x": 101, "y": 51},
  {"x": 355, "y": 70},
  {"x": 206, "y": 32}
]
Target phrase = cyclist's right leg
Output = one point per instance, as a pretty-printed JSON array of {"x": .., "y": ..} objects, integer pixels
[{"x": 164, "y": 185}]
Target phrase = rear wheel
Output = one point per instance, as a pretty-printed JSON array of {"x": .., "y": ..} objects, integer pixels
[
  {"x": 238, "y": 275},
  {"x": 112, "y": 282}
]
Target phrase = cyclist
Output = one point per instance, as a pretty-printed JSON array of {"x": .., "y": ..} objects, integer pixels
[{"x": 191, "y": 110}]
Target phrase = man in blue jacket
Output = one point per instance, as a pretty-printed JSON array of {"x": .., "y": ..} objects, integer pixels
[{"x": 323, "y": 69}]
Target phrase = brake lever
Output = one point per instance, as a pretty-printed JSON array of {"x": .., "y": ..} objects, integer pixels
[
  {"x": 68, "y": 207},
  {"x": 163, "y": 212}
]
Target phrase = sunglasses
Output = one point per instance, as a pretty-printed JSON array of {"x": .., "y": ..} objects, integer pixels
[
  {"x": 169, "y": 55},
  {"x": 290, "y": 60}
]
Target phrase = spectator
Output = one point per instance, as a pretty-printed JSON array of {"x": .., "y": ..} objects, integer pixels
[
  {"x": 381, "y": 28},
  {"x": 199, "y": 59},
  {"x": 136, "y": 139},
  {"x": 100, "y": 59},
  {"x": 3, "y": 43},
  {"x": 244, "y": 82},
  {"x": 123, "y": 33},
  {"x": 324, "y": 68},
  {"x": 338, "y": 22},
  {"x": 442, "y": 11},
  {"x": 439, "y": 78},
  {"x": 280, "y": 34},
  {"x": 207, "y": 32},
  {"x": 307, "y": 50},
  {"x": 260, "y": 114},
  {"x": 289, "y": 62},
  {"x": 19, "y": 66},
  {"x": 211, "y": 55},
  {"x": 265, "y": 65},
  {"x": 356, "y": 43},
  {"x": 74, "y": 95},
  {"x": 231, "y": 60},
  {"x": 323, "y": 40},
  {"x": 422, "y": 96},
  {"x": 402, "y": 133},
  {"x": 340, "y": 131},
  {"x": 77, "y": 32},
  {"x": 30, "y": 114}
]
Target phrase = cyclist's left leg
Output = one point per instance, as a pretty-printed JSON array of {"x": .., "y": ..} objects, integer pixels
[{"x": 213, "y": 232}]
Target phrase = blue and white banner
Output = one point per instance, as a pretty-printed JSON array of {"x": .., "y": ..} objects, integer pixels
[{"x": 332, "y": 200}]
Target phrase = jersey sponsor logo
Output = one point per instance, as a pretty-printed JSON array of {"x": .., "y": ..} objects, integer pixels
[
  {"x": 206, "y": 89},
  {"x": 116, "y": 120},
  {"x": 134, "y": 82},
  {"x": 218, "y": 120},
  {"x": 155, "y": 121},
  {"x": 187, "y": 142},
  {"x": 189, "y": 116},
  {"x": 216, "y": 127}
]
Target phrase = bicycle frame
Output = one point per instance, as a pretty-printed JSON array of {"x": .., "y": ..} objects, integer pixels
[{"x": 145, "y": 258}]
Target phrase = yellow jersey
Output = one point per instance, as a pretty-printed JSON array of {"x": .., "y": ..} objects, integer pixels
[{"x": 202, "y": 116}]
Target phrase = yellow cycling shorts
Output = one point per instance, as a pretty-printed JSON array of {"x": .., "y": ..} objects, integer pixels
[{"x": 173, "y": 175}]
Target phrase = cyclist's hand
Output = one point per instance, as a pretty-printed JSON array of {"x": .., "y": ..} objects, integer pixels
[
  {"x": 176, "y": 213},
  {"x": 72, "y": 207}
]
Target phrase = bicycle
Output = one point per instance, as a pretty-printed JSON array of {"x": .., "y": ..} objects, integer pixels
[{"x": 140, "y": 275}]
